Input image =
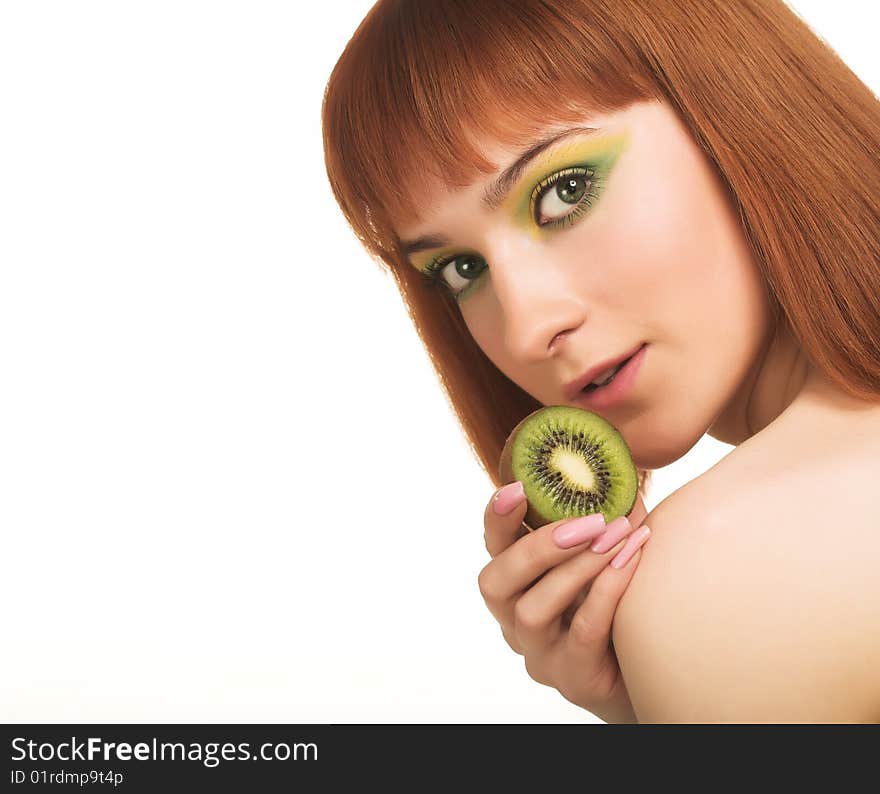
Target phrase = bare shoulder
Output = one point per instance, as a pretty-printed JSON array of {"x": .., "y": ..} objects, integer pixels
[{"x": 757, "y": 598}]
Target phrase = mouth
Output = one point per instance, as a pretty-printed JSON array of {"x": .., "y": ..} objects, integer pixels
[
  {"x": 615, "y": 384},
  {"x": 601, "y": 384},
  {"x": 599, "y": 376}
]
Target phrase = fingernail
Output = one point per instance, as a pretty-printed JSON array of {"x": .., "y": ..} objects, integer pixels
[
  {"x": 508, "y": 497},
  {"x": 617, "y": 530},
  {"x": 578, "y": 530},
  {"x": 633, "y": 543}
]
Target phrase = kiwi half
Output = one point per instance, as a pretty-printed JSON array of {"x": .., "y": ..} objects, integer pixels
[{"x": 571, "y": 462}]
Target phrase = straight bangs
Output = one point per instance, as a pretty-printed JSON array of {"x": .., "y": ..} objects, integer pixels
[{"x": 423, "y": 81}]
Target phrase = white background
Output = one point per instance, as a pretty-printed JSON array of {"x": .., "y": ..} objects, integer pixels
[{"x": 230, "y": 486}]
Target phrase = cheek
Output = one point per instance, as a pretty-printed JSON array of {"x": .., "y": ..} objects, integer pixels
[
  {"x": 681, "y": 259},
  {"x": 483, "y": 320}
]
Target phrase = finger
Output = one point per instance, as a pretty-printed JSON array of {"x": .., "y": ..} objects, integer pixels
[
  {"x": 636, "y": 518},
  {"x": 539, "y": 612},
  {"x": 503, "y": 518},
  {"x": 511, "y": 641},
  {"x": 589, "y": 635},
  {"x": 518, "y": 567}
]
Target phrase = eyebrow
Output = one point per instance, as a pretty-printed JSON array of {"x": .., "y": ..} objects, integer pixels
[{"x": 498, "y": 191}]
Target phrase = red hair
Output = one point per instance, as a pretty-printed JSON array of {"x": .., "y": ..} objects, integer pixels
[{"x": 791, "y": 130}]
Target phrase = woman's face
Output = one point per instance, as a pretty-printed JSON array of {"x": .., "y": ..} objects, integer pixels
[{"x": 635, "y": 243}]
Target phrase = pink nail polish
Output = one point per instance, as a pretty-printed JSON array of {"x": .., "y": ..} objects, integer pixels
[
  {"x": 616, "y": 531},
  {"x": 578, "y": 530},
  {"x": 633, "y": 543},
  {"x": 508, "y": 497}
]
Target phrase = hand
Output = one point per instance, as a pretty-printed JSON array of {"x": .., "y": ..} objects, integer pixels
[{"x": 556, "y": 605}]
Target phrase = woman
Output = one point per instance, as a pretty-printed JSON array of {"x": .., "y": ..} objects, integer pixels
[{"x": 558, "y": 186}]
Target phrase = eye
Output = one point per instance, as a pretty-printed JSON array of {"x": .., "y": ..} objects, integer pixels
[
  {"x": 457, "y": 272},
  {"x": 558, "y": 200},
  {"x": 563, "y": 197}
]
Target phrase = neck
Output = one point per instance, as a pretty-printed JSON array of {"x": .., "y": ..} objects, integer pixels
[{"x": 782, "y": 377}]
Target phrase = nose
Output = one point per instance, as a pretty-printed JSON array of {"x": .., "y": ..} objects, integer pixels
[{"x": 539, "y": 304}]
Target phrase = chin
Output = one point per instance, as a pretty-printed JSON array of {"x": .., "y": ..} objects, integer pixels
[
  {"x": 659, "y": 452},
  {"x": 651, "y": 463}
]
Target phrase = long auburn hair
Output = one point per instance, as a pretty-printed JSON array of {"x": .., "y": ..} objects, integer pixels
[{"x": 792, "y": 131}]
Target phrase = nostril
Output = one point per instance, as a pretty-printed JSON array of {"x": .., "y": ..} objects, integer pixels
[{"x": 556, "y": 340}]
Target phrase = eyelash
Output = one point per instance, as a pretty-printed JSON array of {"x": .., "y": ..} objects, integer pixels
[
  {"x": 432, "y": 274},
  {"x": 544, "y": 186}
]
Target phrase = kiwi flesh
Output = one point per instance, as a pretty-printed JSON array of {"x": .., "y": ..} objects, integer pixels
[{"x": 571, "y": 462}]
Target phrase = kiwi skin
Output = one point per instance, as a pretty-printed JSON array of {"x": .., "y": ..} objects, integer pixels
[{"x": 533, "y": 519}]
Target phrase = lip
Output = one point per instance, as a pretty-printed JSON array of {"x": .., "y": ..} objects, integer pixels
[
  {"x": 617, "y": 390},
  {"x": 573, "y": 389}
]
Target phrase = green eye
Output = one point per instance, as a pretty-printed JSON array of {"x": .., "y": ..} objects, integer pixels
[
  {"x": 558, "y": 200},
  {"x": 457, "y": 272},
  {"x": 563, "y": 197}
]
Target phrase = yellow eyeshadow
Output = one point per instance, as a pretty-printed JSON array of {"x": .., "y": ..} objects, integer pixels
[
  {"x": 422, "y": 262},
  {"x": 599, "y": 151}
]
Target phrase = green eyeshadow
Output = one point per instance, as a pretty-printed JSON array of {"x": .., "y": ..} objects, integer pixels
[{"x": 599, "y": 154}]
